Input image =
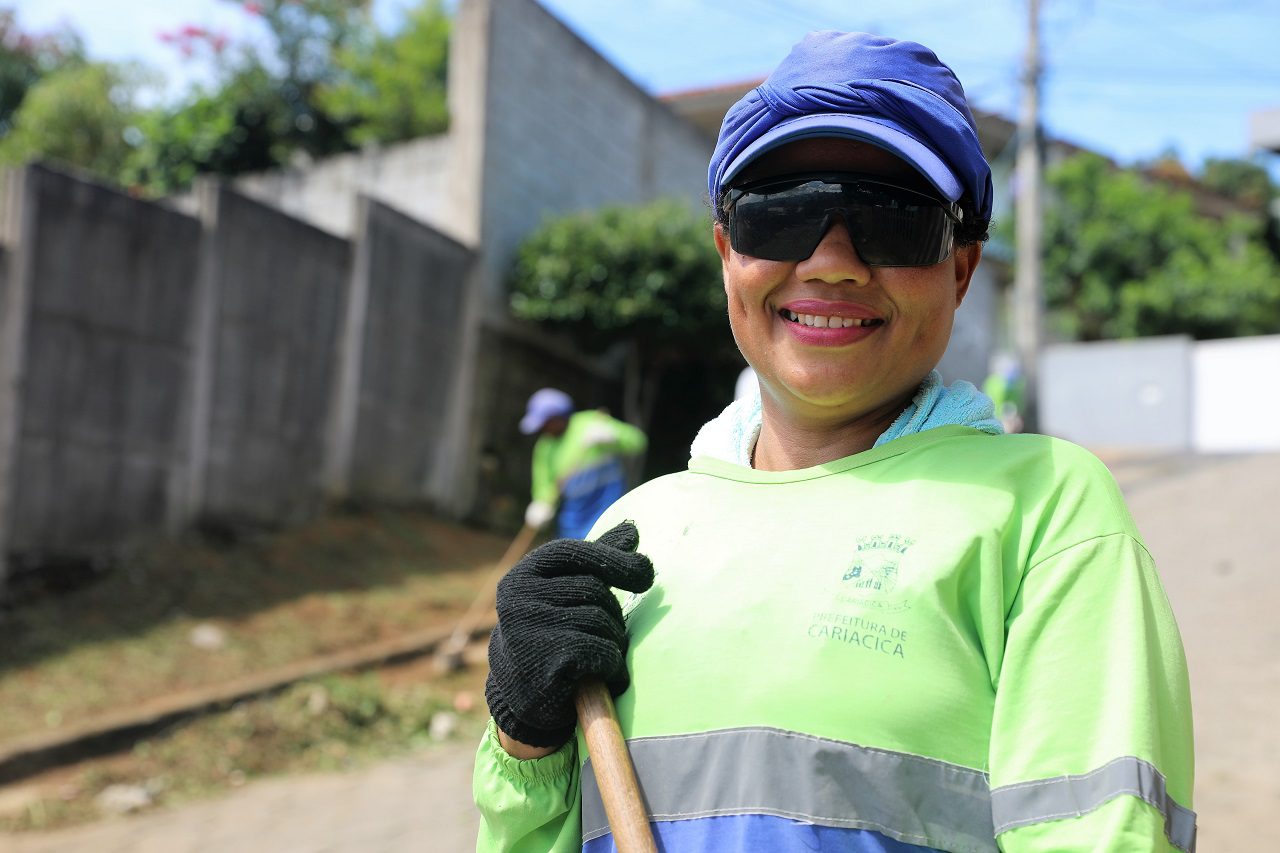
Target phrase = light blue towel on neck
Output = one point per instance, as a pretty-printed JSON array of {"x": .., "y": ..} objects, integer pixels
[
  {"x": 731, "y": 436},
  {"x": 936, "y": 405}
]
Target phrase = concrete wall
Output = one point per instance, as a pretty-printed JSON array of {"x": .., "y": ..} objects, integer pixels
[
  {"x": 413, "y": 278},
  {"x": 96, "y": 320},
  {"x": 1119, "y": 394},
  {"x": 411, "y": 177},
  {"x": 565, "y": 131},
  {"x": 1164, "y": 394},
  {"x": 280, "y": 287},
  {"x": 975, "y": 334},
  {"x": 157, "y": 368},
  {"x": 1236, "y": 407}
]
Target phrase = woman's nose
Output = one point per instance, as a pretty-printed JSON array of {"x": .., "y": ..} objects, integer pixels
[{"x": 835, "y": 259}]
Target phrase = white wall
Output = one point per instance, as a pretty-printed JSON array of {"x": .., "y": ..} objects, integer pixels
[
  {"x": 1237, "y": 407},
  {"x": 1164, "y": 393}
]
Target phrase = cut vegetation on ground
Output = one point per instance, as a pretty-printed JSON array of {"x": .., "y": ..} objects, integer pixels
[{"x": 181, "y": 617}]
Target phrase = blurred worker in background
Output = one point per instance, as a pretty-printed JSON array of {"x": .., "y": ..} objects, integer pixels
[
  {"x": 577, "y": 461},
  {"x": 1006, "y": 389}
]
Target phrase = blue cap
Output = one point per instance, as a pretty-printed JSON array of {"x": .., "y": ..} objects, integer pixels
[
  {"x": 896, "y": 95},
  {"x": 545, "y": 404}
]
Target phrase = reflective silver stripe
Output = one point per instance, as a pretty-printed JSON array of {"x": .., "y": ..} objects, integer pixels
[
  {"x": 1071, "y": 796},
  {"x": 826, "y": 782}
]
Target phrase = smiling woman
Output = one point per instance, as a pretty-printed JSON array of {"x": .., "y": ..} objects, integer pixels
[
  {"x": 864, "y": 619},
  {"x": 840, "y": 344}
]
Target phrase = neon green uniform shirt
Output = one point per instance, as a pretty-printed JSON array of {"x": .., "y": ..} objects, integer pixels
[
  {"x": 581, "y": 470},
  {"x": 954, "y": 640}
]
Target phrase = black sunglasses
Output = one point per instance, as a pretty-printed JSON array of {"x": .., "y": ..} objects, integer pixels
[{"x": 785, "y": 218}]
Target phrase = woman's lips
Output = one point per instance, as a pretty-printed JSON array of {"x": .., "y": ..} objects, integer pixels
[
  {"x": 828, "y": 321},
  {"x": 829, "y": 325}
]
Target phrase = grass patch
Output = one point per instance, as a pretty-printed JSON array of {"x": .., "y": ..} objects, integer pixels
[{"x": 332, "y": 723}]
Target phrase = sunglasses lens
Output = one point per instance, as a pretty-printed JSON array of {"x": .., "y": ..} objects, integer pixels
[
  {"x": 783, "y": 225},
  {"x": 890, "y": 226},
  {"x": 901, "y": 236}
]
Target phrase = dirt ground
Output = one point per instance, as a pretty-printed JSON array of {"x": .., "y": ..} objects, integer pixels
[{"x": 340, "y": 583}]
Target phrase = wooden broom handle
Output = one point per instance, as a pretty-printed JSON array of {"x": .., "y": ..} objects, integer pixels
[
  {"x": 484, "y": 598},
  {"x": 615, "y": 776}
]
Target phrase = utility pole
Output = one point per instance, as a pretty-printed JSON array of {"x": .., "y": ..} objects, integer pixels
[{"x": 1028, "y": 298}]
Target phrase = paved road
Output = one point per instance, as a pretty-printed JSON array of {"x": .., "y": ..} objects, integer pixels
[
  {"x": 1214, "y": 529},
  {"x": 1211, "y": 523},
  {"x": 412, "y": 805}
]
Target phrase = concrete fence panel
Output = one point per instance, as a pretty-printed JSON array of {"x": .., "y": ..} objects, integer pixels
[
  {"x": 97, "y": 314},
  {"x": 278, "y": 292},
  {"x": 408, "y": 332}
]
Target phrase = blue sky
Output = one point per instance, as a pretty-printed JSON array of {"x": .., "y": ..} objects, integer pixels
[{"x": 1129, "y": 78}]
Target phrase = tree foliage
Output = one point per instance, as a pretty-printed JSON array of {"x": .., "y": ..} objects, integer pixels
[
  {"x": 645, "y": 277},
  {"x": 262, "y": 109},
  {"x": 322, "y": 81},
  {"x": 391, "y": 87},
  {"x": 1243, "y": 180},
  {"x": 79, "y": 115},
  {"x": 327, "y": 82},
  {"x": 27, "y": 57},
  {"x": 243, "y": 125},
  {"x": 1125, "y": 257},
  {"x": 648, "y": 274}
]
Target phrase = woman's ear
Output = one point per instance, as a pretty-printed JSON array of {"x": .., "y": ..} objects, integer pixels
[
  {"x": 721, "y": 239},
  {"x": 965, "y": 260}
]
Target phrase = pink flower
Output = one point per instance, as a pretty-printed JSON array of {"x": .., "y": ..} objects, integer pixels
[
  {"x": 252, "y": 7},
  {"x": 191, "y": 31},
  {"x": 165, "y": 36}
]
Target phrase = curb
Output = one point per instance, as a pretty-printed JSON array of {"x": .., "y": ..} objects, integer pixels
[{"x": 116, "y": 731}]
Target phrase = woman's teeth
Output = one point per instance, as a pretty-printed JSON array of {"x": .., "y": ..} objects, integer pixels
[{"x": 820, "y": 322}]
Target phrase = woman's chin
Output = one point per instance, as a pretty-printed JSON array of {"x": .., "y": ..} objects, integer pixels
[{"x": 837, "y": 400}]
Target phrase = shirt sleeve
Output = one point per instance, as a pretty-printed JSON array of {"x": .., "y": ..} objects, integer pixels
[
  {"x": 1091, "y": 742},
  {"x": 629, "y": 440},
  {"x": 530, "y": 806},
  {"x": 545, "y": 488}
]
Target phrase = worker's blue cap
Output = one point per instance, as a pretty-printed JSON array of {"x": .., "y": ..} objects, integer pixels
[
  {"x": 545, "y": 404},
  {"x": 896, "y": 95}
]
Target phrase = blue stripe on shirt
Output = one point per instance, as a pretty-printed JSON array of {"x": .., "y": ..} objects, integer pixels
[
  {"x": 586, "y": 495},
  {"x": 751, "y": 832}
]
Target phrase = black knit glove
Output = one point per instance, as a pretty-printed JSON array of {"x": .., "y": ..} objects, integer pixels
[{"x": 558, "y": 624}]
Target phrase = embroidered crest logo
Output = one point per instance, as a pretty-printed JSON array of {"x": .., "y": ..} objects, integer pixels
[{"x": 873, "y": 575}]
